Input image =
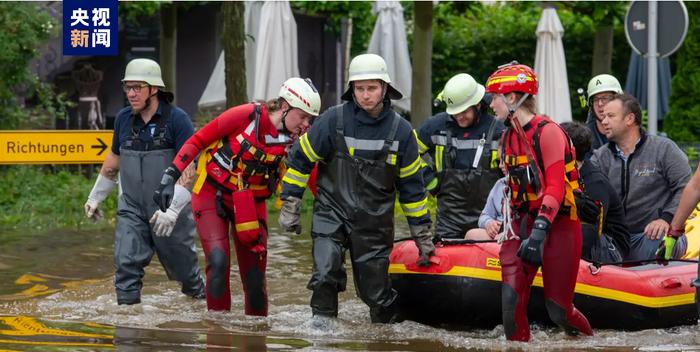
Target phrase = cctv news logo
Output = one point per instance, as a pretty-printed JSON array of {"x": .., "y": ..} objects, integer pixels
[{"x": 90, "y": 27}]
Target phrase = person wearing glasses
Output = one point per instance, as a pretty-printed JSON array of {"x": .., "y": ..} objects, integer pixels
[
  {"x": 242, "y": 151},
  {"x": 601, "y": 90},
  {"x": 366, "y": 155},
  {"x": 146, "y": 135}
]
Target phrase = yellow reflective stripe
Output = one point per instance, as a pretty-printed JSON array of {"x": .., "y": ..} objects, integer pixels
[
  {"x": 351, "y": 150},
  {"x": 410, "y": 169},
  {"x": 296, "y": 178},
  {"x": 569, "y": 167},
  {"x": 247, "y": 226},
  {"x": 432, "y": 184},
  {"x": 201, "y": 171},
  {"x": 438, "y": 157},
  {"x": 494, "y": 160},
  {"x": 422, "y": 148},
  {"x": 516, "y": 160},
  {"x": 306, "y": 148},
  {"x": 298, "y": 175},
  {"x": 391, "y": 159},
  {"x": 503, "y": 79},
  {"x": 416, "y": 209},
  {"x": 574, "y": 184},
  {"x": 584, "y": 289}
]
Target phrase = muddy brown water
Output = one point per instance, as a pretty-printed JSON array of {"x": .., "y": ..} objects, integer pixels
[{"x": 56, "y": 294}]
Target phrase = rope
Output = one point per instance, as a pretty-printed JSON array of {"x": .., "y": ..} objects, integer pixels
[{"x": 507, "y": 234}]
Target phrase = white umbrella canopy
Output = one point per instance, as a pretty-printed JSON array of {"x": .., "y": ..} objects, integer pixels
[
  {"x": 271, "y": 54},
  {"x": 276, "y": 57},
  {"x": 389, "y": 41},
  {"x": 553, "y": 97}
]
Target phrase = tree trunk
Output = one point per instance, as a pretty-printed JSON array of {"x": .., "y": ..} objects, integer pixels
[
  {"x": 421, "y": 96},
  {"x": 168, "y": 46},
  {"x": 234, "y": 52},
  {"x": 602, "y": 50}
]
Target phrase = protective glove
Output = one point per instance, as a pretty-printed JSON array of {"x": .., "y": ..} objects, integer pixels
[
  {"x": 424, "y": 241},
  {"x": 163, "y": 222},
  {"x": 103, "y": 186},
  {"x": 665, "y": 251},
  {"x": 531, "y": 248},
  {"x": 166, "y": 190},
  {"x": 290, "y": 215}
]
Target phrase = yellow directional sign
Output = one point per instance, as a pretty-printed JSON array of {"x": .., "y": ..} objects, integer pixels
[{"x": 54, "y": 147}]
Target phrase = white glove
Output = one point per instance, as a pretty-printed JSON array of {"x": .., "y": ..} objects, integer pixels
[
  {"x": 103, "y": 186},
  {"x": 163, "y": 222}
]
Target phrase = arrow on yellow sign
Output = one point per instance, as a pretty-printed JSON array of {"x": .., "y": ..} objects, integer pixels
[{"x": 54, "y": 147}]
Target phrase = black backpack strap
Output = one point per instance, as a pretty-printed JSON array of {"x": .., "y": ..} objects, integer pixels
[
  {"x": 538, "y": 151},
  {"x": 159, "y": 136},
  {"x": 390, "y": 137},
  {"x": 341, "y": 146}
]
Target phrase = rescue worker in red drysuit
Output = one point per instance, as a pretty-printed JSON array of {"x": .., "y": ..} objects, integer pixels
[
  {"x": 242, "y": 150},
  {"x": 543, "y": 227}
]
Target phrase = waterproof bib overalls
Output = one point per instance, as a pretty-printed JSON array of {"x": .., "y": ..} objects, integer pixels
[
  {"x": 140, "y": 169},
  {"x": 354, "y": 210},
  {"x": 463, "y": 192}
]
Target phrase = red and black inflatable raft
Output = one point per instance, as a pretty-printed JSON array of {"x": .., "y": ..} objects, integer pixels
[{"x": 463, "y": 290}]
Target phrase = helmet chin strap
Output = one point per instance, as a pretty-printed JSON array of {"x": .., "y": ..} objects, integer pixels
[
  {"x": 284, "y": 122},
  {"x": 513, "y": 108},
  {"x": 148, "y": 100}
]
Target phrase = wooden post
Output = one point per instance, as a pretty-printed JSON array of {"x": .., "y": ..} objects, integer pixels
[
  {"x": 421, "y": 94},
  {"x": 234, "y": 52}
]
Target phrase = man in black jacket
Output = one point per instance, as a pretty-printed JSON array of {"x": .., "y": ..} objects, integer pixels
[{"x": 611, "y": 243}]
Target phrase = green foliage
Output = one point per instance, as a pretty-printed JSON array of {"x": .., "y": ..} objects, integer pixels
[
  {"x": 24, "y": 27},
  {"x": 137, "y": 12},
  {"x": 134, "y": 11},
  {"x": 478, "y": 38},
  {"x": 682, "y": 122},
  {"x": 36, "y": 197},
  {"x": 335, "y": 11}
]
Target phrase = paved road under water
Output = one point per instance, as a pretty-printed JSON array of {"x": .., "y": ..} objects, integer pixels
[{"x": 56, "y": 294}]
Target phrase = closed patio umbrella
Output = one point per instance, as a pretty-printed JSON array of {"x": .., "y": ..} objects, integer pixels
[
  {"x": 389, "y": 41},
  {"x": 553, "y": 97}
]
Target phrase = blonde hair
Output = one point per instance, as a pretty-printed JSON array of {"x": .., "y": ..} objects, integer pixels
[{"x": 530, "y": 104}]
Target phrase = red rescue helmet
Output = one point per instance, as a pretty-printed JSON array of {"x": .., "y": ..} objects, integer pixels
[{"x": 512, "y": 77}]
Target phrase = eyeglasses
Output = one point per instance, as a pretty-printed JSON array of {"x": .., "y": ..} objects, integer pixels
[
  {"x": 605, "y": 98},
  {"x": 135, "y": 87}
]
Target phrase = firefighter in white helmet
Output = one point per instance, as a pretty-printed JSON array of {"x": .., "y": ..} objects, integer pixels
[
  {"x": 146, "y": 135},
  {"x": 366, "y": 154},
  {"x": 462, "y": 143},
  {"x": 242, "y": 151}
]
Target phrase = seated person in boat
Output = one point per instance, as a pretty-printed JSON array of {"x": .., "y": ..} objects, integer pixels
[
  {"x": 608, "y": 240},
  {"x": 462, "y": 143},
  {"x": 648, "y": 172},
  {"x": 491, "y": 218}
]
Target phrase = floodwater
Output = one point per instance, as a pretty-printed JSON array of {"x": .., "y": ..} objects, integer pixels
[{"x": 56, "y": 294}]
